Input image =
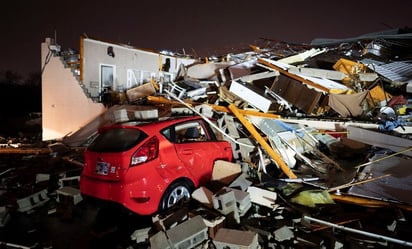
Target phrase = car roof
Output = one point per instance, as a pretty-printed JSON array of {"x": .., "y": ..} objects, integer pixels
[{"x": 152, "y": 124}]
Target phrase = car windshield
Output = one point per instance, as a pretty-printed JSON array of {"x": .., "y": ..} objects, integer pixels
[{"x": 116, "y": 140}]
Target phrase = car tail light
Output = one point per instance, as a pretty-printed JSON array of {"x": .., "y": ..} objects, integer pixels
[{"x": 148, "y": 151}]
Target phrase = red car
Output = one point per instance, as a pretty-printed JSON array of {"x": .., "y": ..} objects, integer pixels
[{"x": 150, "y": 167}]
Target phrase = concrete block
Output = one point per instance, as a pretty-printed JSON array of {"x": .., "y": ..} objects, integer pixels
[
  {"x": 188, "y": 234},
  {"x": 241, "y": 182},
  {"x": 120, "y": 116},
  {"x": 225, "y": 201},
  {"x": 159, "y": 241},
  {"x": 69, "y": 181},
  {"x": 235, "y": 239},
  {"x": 69, "y": 195},
  {"x": 30, "y": 202},
  {"x": 42, "y": 177},
  {"x": 214, "y": 220},
  {"x": 140, "y": 235},
  {"x": 243, "y": 202},
  {"x": 174, "y": 216},
  {"x": 262, "y": 197},
  {"x": 146, "y": 114},
  {"x": 283, "y": 233}
]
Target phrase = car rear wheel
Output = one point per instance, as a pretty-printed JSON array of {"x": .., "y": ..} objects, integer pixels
[{"x": 175, "y": 193}]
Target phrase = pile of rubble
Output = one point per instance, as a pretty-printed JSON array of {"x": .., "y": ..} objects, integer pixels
[
  {"x": 298, "y": 116},
  {"x": 320, "y": 135}
]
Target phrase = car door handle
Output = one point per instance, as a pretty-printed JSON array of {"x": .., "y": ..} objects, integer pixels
[{"x": 187, "y": 151}]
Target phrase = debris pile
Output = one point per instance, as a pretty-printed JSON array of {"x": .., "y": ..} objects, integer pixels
[{"x": 320, "y": 135}]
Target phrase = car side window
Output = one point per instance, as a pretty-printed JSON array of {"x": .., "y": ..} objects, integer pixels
[{"x": 190, "y": 132}]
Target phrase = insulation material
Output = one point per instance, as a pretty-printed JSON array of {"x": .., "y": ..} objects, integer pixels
[{"x": 311, "y": 198}]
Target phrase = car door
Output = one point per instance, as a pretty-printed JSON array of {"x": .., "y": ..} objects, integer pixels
[{"x": 196, "y": 149}]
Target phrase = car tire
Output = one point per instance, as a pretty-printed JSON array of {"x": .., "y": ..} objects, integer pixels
[{"x": 175, "y": 193}]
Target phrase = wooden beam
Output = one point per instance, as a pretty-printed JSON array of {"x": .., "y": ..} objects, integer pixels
[
  {"x": 275, "y": 156},
  {"x": 161, "y": 100},
  {"x": 293, "y": 76}
]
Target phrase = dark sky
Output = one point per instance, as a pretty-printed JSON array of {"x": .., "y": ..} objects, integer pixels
[{"x": 200, "y": 26}]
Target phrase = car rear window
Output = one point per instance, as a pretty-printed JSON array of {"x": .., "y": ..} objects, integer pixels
[{"x": 117, "y": 140}]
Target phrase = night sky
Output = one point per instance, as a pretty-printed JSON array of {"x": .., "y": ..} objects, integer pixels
[{"x": 198, "y": 27}]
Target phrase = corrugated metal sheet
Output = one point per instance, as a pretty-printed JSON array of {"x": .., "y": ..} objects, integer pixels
[{"x": 398, "y": 71}]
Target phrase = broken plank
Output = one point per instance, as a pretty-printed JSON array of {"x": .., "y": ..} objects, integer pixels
[{"x": 275, "y": 156}]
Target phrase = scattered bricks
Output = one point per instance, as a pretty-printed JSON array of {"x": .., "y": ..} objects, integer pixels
[
  {"x": 242, "y": 200},
  {"x": 67, "y": 198},
  {"x": 69, "y": 181},
  {"x": 262, "y": 196},
  {"x": 42, "y": 177},
  {"x": 228, "y": 125},
  {"x": 213, "y": 219},
  {"x": 235, "y": 239},
  {"x": 140, "y": 235},
  {"x": 245, "y": 148},
  {"x": 159, "y": 241},
  {"x": 241, "y": 182},
  {"x": 171, "y": 218},
  {"x": 146, "y": 114},
  {"x": 120, "y": 116},
  {"x": 283, "y": 233},
  {"x": 69, "y": 195},
  {"x": 27, "y": 204},
  {"x": 225, "y": 202},
  {"x": 188, "y": 234}
]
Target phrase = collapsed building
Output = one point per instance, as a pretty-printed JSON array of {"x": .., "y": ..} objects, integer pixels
[{"x": 301, "y": 118}]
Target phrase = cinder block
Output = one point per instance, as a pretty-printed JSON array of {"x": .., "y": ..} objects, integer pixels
[
  {"x": 235, "y": 239},
  {"x": 242, "y": 200},
  {"x": 241, "y": 182},
  {"x": 213, "y": 219},
  {"x": 69, "y": 195},
  {"x": 159, "y": 241},
  {"x": 26, "y": 204},
  {"x": 188, "y": 234},
  {"x": 69, "y": 181},
  {"x": 120, "y": 116},
  {"x": 146, "y": 114},
  {"x": 42, "y": 177},
  {"x": 140, "y": 235},
  {"x": 225, "y": 201},
  {"x": 174, "y": 216},
  {"x": 262, "y": 196}
]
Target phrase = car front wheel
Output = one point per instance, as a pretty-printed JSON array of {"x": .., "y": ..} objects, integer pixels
[{"x": 175, "y": 193}]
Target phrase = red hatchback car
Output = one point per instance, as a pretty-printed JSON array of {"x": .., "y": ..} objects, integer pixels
[{"x": 150, "y": 167}]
